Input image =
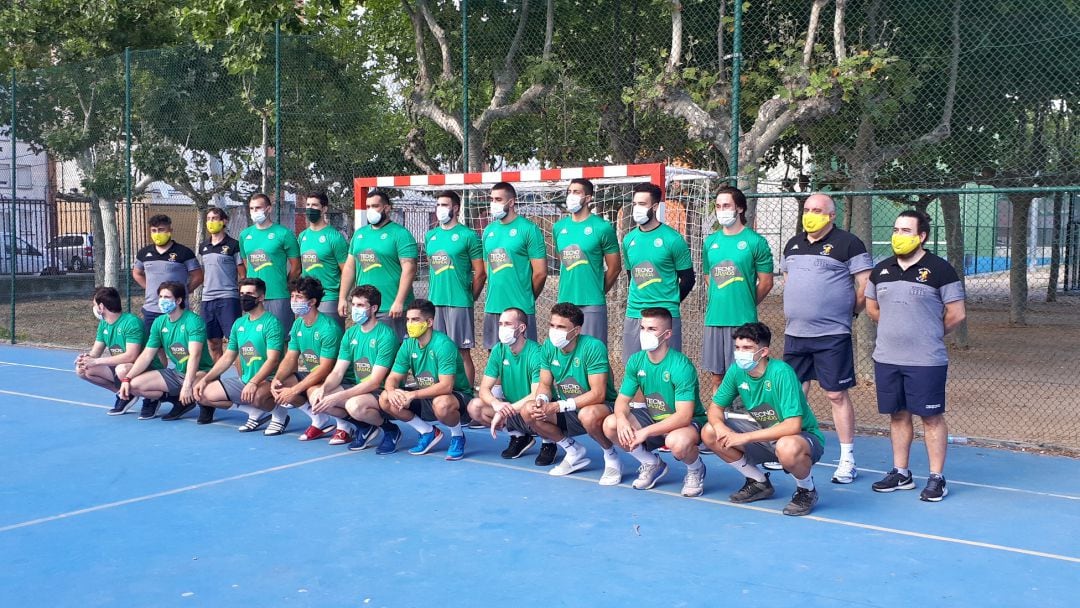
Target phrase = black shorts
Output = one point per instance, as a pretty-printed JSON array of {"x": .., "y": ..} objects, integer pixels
[
  {"x": 760, "y": 452},
  {"x": 641, "y": 414},
  {"x": 219, "y": 316},
  {"x": 827, "y": 359},
  {"x": 919, "y": 389},
  {"x": 424, "y": 408}
]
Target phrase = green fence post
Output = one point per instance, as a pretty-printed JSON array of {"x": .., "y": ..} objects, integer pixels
[
  {"x": 127, "y": 165},
  {"x": 277, "y": 118},
  {"x": 465, "y": 85},
  {"x": 736, "y": 92},
  {"x": 14, "y": 176}
]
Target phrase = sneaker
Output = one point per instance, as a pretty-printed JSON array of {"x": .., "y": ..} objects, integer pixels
[
  {"x": 254, "y": 424},
  {"x": 178, "y": 410},
  {"x": 649, "y": 474},
  {"x": 313, "y": 432},
  {"x": 802, "y": 502},
  {"x": 704, "y": 449},
  {"x": 935, "y": 489},
  {"x": 893, "y": 481},
  {"x": 694, "y": 482},
  {"x": 568, "y": 465},
  {"x": 753, "y": 490},
  {"x": 845, "y": 472},
  {"x": 121, "y": 406},
  {"x": 389, "y": 442},
  {"x": 772, "y": 465},
  {"x": 341, "y": 437},
  {"x": 206, "y": 414},
  {"x": 426, "y": 442},
  {"x": 547, "y": 454},
  {"x": 277, "y": 428},
  {"x": 456, "y": 449},
  {"x": 365, "y": 438},
  {"x": 149, "y": 409},
  {"x": 664, "y": 449},
  {"x": 518, "y": 446},
  {"x": 476, "y": 424},
  {"x": 612, "y": 474}
]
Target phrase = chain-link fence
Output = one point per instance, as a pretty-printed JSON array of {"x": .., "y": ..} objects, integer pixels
[{"x": 964, "y": 109}]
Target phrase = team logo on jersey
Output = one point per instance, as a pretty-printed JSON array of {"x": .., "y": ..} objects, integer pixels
[
  {"x": 271, "y": 236},
  {"x": 258, "y": 260},
  {"x": 513, "y": 232},
  {"x": 667, "y": 376},
  {"x": 383, "y": 237},
  {"x": 633, "y": 242},
  {"x": 257, "y": 327},
  {"x": 369, "y": 260},
  {"x": 556, "y": 363},
  {"x": 765, "y": 415},
  {"x": 573, "y": 257},
  {"x": 490, "y": 234},
  {"x": 316, "y": 335},
  {"x": 425, "y": 379},
  {"x": 884, "y": 271},
  {"x": 247, "y": 238},
  {"x": 768, "y": 385},
  {"x": 433, "y": 238},
  {"x": 499, "y": 260},
  {"x": 310, "y": 261},
  {"x": 658, "y": 242},
  {"x": 225, "y": 250},
  {"x": 563, "y": 231},
  {"x": 172, "y": 257},
  {"x": 322, "y": 239},
  {"x": 923, "y": 275},
  {"x": 249, "y": 354},
  {"x": 744, "y": 386},
  {"x": 588, "y": 230},
  {"x": 362, "y": 368},
  {"x": 440, "y": 262},
  {"x": 309, "y": 361},
  {"x": 742, "y": 245},
  {"x": 571, "y": 388},
  {"x": 577, "y": 361},
  {"x": 646, "y": 274},
  {"x": 372, "y": 343},
  {"x": 714, "y": 246},
  {"x": 827, "y": 249},
  {"x": 658, "y": 408},
  {"x": 115, "y": 350},
  {"x": 641, "y": 373},
  {"x": 506, "y": 362},
  {"x": 179, "y": 352},
  {"x": 725, "y": 273},
  {"x": 454, "y": 237}
]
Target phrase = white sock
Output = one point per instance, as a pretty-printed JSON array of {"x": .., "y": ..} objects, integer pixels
[
  {"x": 903, "y": 472},
  {"x": 748, "y": 470},
  {"x": 644, "y": 456},
  {"x": 806, "y": 484},
  {"x": 611, "y": 457},
  {"x": 574, "y": 450},
  {"x": 341, "y": 423},
  {"x": 847, "y": 452},
  {"x": 517, "y": 434},
  {"x": 250, "y": 410},
  {"x": 697, "y": 465},
  {"x": 279, "y": 414},
  {"x": 455, "y": 431},
  {"x": 317, "y": 420},
  {"x": 421, "y": 426},
  {"x": 542, "y": 440}
]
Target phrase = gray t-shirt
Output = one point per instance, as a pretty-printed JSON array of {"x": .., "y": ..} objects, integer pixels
[
  {"x": 911, "y": 330},
  {"x": 819, "y": 291},
  {"x": 220, "y": 280},
  {"x": 174, "y": 264}
]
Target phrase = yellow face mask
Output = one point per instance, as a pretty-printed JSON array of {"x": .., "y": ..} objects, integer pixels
[
  {"x": 416, "y": 329},
  {"x": 161, "y": 238},
  {"x": 812, "y": 222},
  {"x": 903, "y": 244},
  {"x": 214, "y": 226}
]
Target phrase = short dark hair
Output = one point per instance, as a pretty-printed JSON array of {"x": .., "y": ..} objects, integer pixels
[
  {"x": 455, "y": 198},
  {"x": 425, "y": 307},
  {"x": 585, "y": 184},
  {"x": 257, "y": 196},
  {"x": 922, "y": 218},
  {"x": 177, "y": 290},
  {"x": 756, "y": 332},
  {"x": 658, "y": 313},
  {"x": 369, "y": 293},
  {"x": 738, "y": 197},
  {"x": 653, "y": 190},
  {"x": 159, "y": 220},
  {"x": 324, "y": 201},
  {"x": 569, "y": 311},
  {"x": 381, "y": 194},
  {"x": 258, "y": 284},
  {"x": 507, "y": 186},
  {"x": 522, "y": 317},
  {"x": 309, "y": 286},
  {"x": 219, "y": 212},
  {"x": 108, "y": 297}
]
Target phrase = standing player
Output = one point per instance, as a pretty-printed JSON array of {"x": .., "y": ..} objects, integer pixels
[
  {"x": 672, "y": 415},
  {"x": 916, "y": 298},
  {"x": 738, "y": 268},
  {"x": 443, "y": 392},
  {"x": 163, "y": 260},
  {"x": 825, "y": 271},
  {"x": 223, "y": 268},
  {"x": 273, "y": 255},
  {"x": 323, "y": 252},
  {"x": 781, "y": 426},
  {"x": 659, "y": 267},
  {"x": 383, "y": 254},
  {"x": 589, "y": 262},
  {"x": 117, "y": 345},
  {"x": 517, "y": 263},
  {"x": 456, "y": 276}
]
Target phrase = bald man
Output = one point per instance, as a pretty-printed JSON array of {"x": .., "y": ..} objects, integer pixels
[{"x": 825, "y": 273}]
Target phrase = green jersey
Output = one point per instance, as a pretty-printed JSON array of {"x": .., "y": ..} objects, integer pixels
[
  {"x": 570, "y": 371},
  {"x": 267, "y": 252},
  {"x": 175, "y": 336},
  {"x": 673, "y": 379},
  {"x": 654, "y": 259},
  {"x": 367, "y": 350},
  {"x": 439, "y": 358},
  {"x": 581, "y": 247},
  {"x": 378, "y": 253},
  {"x": 774, "y": 397},
  {"x": 509, "y": 249},
  {"x": 322, "y": 252},
  {"x": 252, "y": 339},
  {"x": 127, "y": 329},
  {"x": 450, "y": 254},
  {"x": 320, "y": 339},
  {"x": 732, "y": 264},
  {"x": 516, "y": 373}
]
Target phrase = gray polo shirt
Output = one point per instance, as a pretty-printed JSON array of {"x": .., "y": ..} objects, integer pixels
[
  {"x": 911, "y": 330},
  {"x": 174, "y": 264},
  {"x": 220, "y": 280},
  {"x": 819, "y": 291}
]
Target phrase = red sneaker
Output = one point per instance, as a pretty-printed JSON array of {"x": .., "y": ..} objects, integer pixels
[
  {"x": 314, "y": 432},
  {"x": 341, "y": 436}
]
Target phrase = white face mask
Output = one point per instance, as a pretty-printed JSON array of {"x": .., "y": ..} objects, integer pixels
[
  {"x": 373, "y": 216},
  {"x": 573, "y": 203},
  {"x": 258, "y": 217},
  {"x": 443, "y": 214},
  {"x": 498, "y": 211},
  {"x": 649, "y": 341},
  {"x": 745, "y": 360},
  {"x": 507, "y": 335},
  {"x": 726, "y": 217},
  {"x": 558, "y": 337},
  {"x": 641, "y": 214},
  {"x": 97, "y": 313}
]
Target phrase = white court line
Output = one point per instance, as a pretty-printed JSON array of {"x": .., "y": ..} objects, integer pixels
[
  {"x": 93, "y": 405},
  {"x": 55, "y": 369}
]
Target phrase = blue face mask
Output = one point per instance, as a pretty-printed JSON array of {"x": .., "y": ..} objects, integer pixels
[
  {"x": 300, "y": 308},
  {"x": 359, "y": 315},
  {"x": 745, "y": 360},
  {"x": 166, "y": 306}
]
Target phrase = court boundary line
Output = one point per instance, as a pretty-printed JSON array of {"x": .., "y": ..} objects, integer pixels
[{"x": 55, "y": 369}]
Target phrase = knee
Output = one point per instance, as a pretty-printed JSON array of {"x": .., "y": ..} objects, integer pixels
[
  {"x": 708, "y": 435},
  {"x": 610, "y": 427},
  {"x": 592, "y": 417},
  {"x": 681, "y": 442},
  {"x": 443, "y": 405},
  {"x": 789, "y": 448},
  {"x": 934, "y": 422},
  {"x": 476, "y": 409},
  {"x": 836, "y": 397}
]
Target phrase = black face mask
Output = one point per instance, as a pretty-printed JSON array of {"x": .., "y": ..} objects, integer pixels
[
  {"x": 248, "y": 302},
  {"x": 313, "y": 215}
]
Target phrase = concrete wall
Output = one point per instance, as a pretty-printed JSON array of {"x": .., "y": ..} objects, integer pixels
[{"x": 48, "y": 287}]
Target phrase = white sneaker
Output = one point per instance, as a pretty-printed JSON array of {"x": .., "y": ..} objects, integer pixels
[
  {"x": 569, "y": 465},
  {"x": 612, "y": 474},
  {"x": 649, "y": 474},
  {"x": 845, "y": 472},
  {"x": 772, "y": 465},
  {"x": 694, "y": 482}
]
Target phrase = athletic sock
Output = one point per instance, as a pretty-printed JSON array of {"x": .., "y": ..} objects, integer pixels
[
  {"x": 341, "y": 423},
  {"x": 455, "y": 431},
  {"x": 697, "y": 465},
  {"x": 903, "y": 472},
  {"x": 611, "y": 457},
  {"x": 748, "y": 470},
  {"x": 517, "y": 434},
  {"x": 250, "y": 410},
  {"x": 317, "y": 420},
  {"x": 936, "y": 474},
  {"x": 806, "y": 484},
  {"x": 566, "y": 443},
  {"x": 421, "y": 426},
  {"x": 279, "y": 414},
  {"x": 644, "y": 456},
  {"x": 847, "y": 452}
]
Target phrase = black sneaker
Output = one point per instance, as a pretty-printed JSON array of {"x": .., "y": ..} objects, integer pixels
[
  {"x": 149, "y": 409},
  {"x": 121, "y": 406},
  {"x": 752, "y": 491},
  {"x": 518, "y": 446},
  {"x": 547, "y": 454},
  {"x": 178, "y": 410},
  {"x": 894, "y": 481},
  {"x": 802, "y": 502},
  {"x": 206, "y": 414},
  {"x": 935, "y": 489}
]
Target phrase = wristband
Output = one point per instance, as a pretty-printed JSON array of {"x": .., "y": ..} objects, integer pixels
[
  {"x": 543, "y": 398},
  {"x": 123, "y": 380},
  {"x": 567, "y": 405}
]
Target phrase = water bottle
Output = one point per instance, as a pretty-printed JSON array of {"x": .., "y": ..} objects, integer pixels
[{"x": 957, "y": 439}]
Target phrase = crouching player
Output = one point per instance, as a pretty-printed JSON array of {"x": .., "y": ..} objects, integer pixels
[{"x": 117, "y": 345}]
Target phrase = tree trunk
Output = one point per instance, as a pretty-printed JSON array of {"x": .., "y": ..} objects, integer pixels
[
  {"x": 99, "y": 242},
  {"x": 864, "y": 331},
  {"x": 1055, "y": 251},
  {"x": 476, "y": 150},
  {"x": 111, "y": 231},
  {"x": 264, "y": 184},
  {"x": 954, "y": 236},
  {"x": 1018, "y": 253}
]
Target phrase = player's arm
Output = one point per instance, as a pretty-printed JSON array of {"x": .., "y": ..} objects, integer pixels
[
  {"x": 143, "y": 362},
  {"x": 348, "y": 281},
  {"x": 873, "y": 310},
  {"x": 223, "y": 364},
  {"x": 195, "y": 351},
  {"x": 539, "y": 275},
  {"x": 687, "y": 279},
  {"x": 294, "y": 268},
  {"x": 595, "y": 395},
  {"x": 336, "y": 375},
  {"x": 684, "y": 413},
  {"x": 408, "y": 273},
  {"x": 479, "y": 277},
  {"x": 241, "y": 268},
  {"x": 520, "y": 403},
  {"x": 130, "y": 354},
  {"x": 612, "y": 263},
  {"x": 195, "y": 279},
  {"x": 860, "y": 290},
  {"x": 374, "y": 381},
  {"x": 139, "y": 274},
  {"x": 955, "y": 314},
  {"x": 486, "y": 384},
  {"x": 287, "y": 368},
  {"x": 764, "y": 286},
  {"x": 787, "y": 426},
  {"x": 393, "y": 381},
  {"x": 97, "y": 349}
]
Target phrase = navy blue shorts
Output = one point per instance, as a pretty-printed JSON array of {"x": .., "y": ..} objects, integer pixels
[
  {"x": 219, "y": 316},
  {"x": 148, "y": 318},
  {"x": 919, "y": 389},
  {"x": 827, "y": 359}
]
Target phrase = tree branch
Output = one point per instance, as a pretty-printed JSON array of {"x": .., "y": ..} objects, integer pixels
[
  {"x": 423, "y": 76},
  {"x": 776, "y": 115},
  {"x": 675, "y": 55},
  {"x": 811, "y": 32},
  {"x": 839, "y": 32},
  {"x": 415, "y": 151},
  {"x": 506, "y": 77},
  {"x": 700, "y": 125},
  {"x": 440, "y": 38}
]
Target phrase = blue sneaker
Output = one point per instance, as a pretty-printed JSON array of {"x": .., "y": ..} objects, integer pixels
[
  {"x": 389, "y": 442},
  {"x": 456, "y": 451},
  {"x": 365, "y": 437},
  {"x": 426, "y": 442}
]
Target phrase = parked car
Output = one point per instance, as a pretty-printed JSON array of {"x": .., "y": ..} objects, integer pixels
[
  {"x": 73, "y": 251},
  {"x": 29, "y": 259}
]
